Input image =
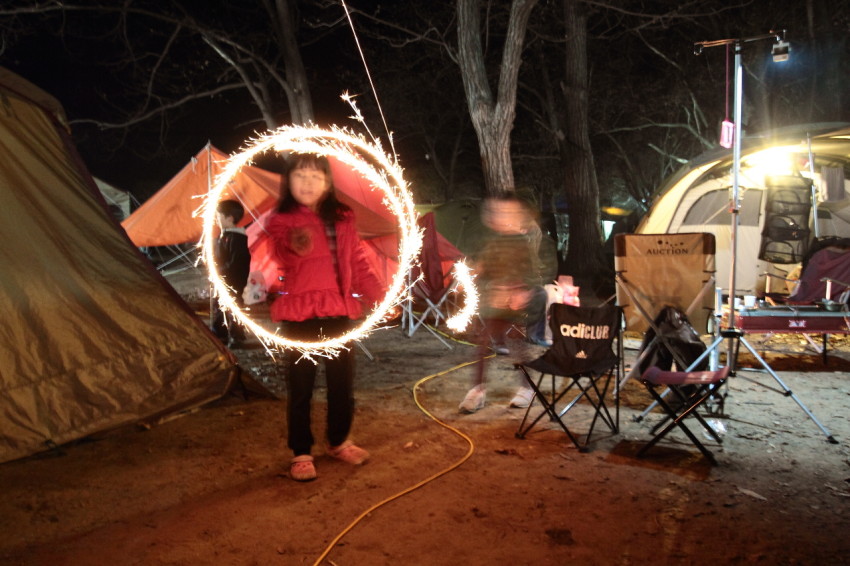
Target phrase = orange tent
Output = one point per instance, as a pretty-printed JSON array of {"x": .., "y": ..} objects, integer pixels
[{"x": 168, "y": 217}]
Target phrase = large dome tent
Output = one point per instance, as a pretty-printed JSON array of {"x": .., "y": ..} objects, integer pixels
[{"x": 697, "y": 197}]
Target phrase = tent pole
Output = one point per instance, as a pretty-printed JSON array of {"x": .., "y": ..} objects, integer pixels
[
  {"x": 816, "y": 219},
  {"x": 209, "y": 188}
]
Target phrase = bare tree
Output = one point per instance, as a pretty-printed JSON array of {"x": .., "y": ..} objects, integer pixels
[
  {"x": 492, "y": 114},
  {"x": 171, "y": 56}
]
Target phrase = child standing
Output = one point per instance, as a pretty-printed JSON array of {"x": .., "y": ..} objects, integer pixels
[
  {"x": 325, "y": 273},
  {"x": 233, "y": 260}
]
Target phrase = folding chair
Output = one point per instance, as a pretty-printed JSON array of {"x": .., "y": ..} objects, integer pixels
[
  {"x": 654, "y": 271},
  {"x": 428, "y": 287},
  {"x": 586, "y": 354},
  {"x": 424, "y": 303},
  {"x": 691, "y": 390}
]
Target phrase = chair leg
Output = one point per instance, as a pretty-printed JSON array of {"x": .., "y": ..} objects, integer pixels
[
  {"x": 548, "y": 408},
  {"x": 677, "y": 420},
  {"x": 592, "y": 392}
]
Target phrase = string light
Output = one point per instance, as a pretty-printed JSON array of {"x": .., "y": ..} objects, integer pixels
[{"x": 382, "y": 173}]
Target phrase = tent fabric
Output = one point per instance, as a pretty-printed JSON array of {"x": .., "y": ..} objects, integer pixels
[
  {"x": 696, "y": 198},
  {"x": 169, "y": 216},
  {"x": 92, "y": 337}
]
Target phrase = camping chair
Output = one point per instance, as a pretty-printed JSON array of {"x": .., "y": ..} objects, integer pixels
[
  {"x": 691, "y": 390},
  {"x": 587, "y": 355},
  {"x": 428, "y": 287},
  {"x": 654, "y": 271},
  {"x": 824, "y": 269},
  {"x": 824, "y": 282},
  {"x": 426, "y": 303}
]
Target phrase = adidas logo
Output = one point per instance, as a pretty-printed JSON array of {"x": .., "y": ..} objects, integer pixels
[{"x": 581, "y": 355}]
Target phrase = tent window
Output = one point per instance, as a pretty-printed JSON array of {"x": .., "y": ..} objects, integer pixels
[{"x": 712, "y": 209}]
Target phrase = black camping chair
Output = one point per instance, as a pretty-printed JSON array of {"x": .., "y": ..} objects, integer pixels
[
  {"x": 691, "y": 390},
  {"x": 586, "y": 354}
]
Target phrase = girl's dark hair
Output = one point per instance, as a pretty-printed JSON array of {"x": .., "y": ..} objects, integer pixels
[{"x": 330, "y": 209}]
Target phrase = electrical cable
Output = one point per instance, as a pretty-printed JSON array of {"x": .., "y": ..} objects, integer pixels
[{"x": 426, "y": 481}]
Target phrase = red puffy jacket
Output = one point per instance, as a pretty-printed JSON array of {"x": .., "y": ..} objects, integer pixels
[{"x": 311, "y": 288}]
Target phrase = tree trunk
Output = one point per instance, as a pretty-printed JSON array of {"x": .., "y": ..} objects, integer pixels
[
  {"x": 298, "y": 93},
  {"x": 492, "y": 117},
  {"x": 584, "y": 255}
]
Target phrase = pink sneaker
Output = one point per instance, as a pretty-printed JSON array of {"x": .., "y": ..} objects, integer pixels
[
  {"x": 349, "y": 453},
  {"x": 302, "y": 469}
]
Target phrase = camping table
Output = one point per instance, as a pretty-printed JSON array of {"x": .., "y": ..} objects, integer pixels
[{"x": 792, "y": 319}]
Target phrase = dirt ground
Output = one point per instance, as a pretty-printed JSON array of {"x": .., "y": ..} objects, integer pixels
[{"x": 211, "y": 487}]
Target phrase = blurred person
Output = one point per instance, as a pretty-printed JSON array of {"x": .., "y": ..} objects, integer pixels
[
  {"x": 327, "y": 284},
  {"x": 509, "y": 274}
]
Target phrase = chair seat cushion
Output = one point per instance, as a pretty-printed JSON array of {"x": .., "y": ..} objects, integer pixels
[
  {"x": 660, "y": 377},
  {"x": 544, "y": 364}
]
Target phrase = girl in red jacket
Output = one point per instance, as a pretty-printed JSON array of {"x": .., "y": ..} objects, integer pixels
[{"x": 327, "y": 283}]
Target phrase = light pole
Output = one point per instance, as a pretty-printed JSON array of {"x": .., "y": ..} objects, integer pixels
[
  {"x": 729, "y": 332},
  {"x": 780, "y": 52}
]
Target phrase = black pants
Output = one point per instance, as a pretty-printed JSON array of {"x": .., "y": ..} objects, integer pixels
[
  {"x": 225, "y": 326},
  {"x": 301, "y": 379}
]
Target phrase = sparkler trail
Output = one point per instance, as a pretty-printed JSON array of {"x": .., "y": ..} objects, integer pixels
[
  {"x": 365, "y": 158},
  {"x": 465, "y": 279}
]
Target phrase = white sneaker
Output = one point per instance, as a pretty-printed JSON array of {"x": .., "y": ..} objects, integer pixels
[
  {"x": 522, "y": 398},
  {"x": 473, "y": 401}
]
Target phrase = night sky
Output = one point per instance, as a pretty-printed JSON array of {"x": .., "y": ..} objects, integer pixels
[{"x": 147, "y": 155}]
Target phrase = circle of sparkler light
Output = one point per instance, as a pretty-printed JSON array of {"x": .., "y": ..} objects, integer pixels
[
  {"x": 464, "y": 278},
  {"x": 365, "y": 158}
]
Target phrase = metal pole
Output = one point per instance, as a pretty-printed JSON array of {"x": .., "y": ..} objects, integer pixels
[
  {"x": 735, "y": 205},
  {"x": 815, "y": 219}
]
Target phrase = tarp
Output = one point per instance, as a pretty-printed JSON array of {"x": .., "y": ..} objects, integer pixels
[
  {"x": 168, "y": 217},
  {"x": 697, "y": 197},
  {"x": 92, "y": 337}
]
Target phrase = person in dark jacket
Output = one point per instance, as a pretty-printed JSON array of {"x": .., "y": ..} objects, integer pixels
[
  {"x": 327, "y": 284},
  {"x": 233, "y": 262}
]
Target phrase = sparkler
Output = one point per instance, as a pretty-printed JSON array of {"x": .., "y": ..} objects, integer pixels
[
  {"x": 382, "y": 173},
  {"x": 464, "y": 278}
]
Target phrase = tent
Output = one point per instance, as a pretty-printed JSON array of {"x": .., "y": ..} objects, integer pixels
[
  {"x": 120, "y": 202},
  {"x": 168, "y": 217},
  {"x": 696, "y": 198},
  {"x": 92, "y": 337}
]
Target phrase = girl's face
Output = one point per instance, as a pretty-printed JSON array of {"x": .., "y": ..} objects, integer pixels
[{"x": 309, "y": 186}]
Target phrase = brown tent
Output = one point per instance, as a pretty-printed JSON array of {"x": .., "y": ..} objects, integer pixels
[{"x": 92, "y": 337}]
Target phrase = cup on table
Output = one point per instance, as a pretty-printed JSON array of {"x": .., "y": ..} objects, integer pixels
[{"x": 749, "y": 301}]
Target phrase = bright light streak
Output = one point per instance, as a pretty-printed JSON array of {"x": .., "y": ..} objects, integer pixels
[
  {"x": 465, "y": 280},
  {"x": 377, "y": 168}
]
